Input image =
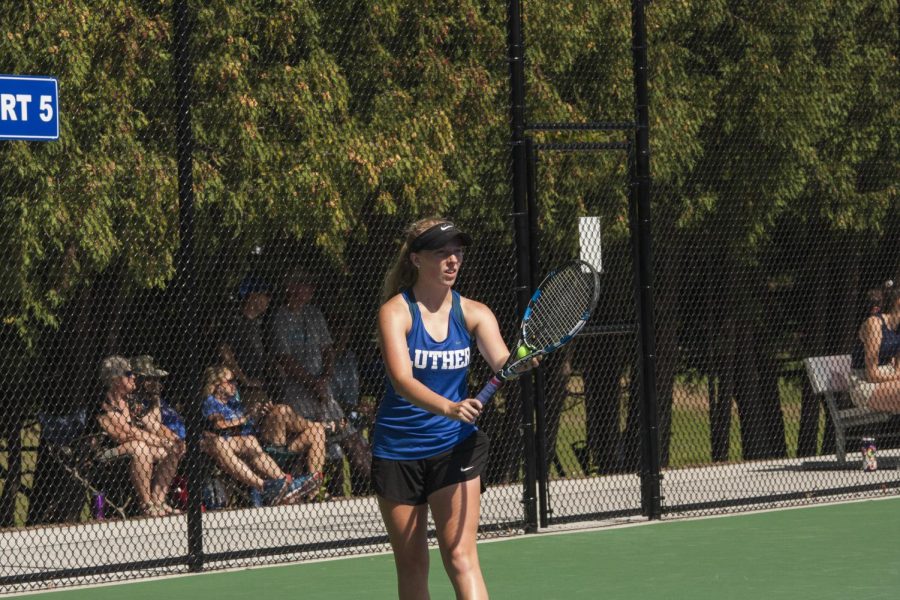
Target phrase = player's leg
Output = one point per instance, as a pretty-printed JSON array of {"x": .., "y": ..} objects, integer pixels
[
  {"x": 312, "y": 441},
  {"x": 407, "y": 528},
  {"x": 222, "y": 450},
  {"x": 248, "y": 447},
  {"x": 885, "y": 397},
  {"x": 456, "y": 510}
]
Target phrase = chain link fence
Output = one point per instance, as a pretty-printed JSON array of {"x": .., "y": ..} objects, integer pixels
[
  {"x": 193, "y": 269},
  {"x": 775, "y": 212}
]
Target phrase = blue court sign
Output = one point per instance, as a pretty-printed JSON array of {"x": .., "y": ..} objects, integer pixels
[{"x": 29, "y": 108}]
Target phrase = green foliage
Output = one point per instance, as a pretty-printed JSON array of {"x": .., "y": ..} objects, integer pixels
[
  {"x": 313, "y": 117},
  {"x": 798, "y": 105},
  {"x": 105, "y": 190},
  {"x": 326, "y": 121}
]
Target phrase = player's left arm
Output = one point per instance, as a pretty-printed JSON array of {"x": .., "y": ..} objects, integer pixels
[{"x": 483, "y": 325}]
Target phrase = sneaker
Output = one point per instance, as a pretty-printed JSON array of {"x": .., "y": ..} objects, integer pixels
[
  {"x": 274, "y": 491},
  {"x": 256, "y": 498},
  {"x": 303, "y": 487}
]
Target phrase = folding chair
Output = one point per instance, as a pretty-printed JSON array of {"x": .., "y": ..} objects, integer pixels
[
  {"x": 69, "y": 443},
  {"x": 829, "y": 377}
]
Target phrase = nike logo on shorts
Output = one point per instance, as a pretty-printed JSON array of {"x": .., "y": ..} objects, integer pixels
[
  {"x": 464, "y": 469},
  {"x": 445, "y": 227}
]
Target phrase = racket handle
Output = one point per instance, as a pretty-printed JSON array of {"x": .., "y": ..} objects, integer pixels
[{"x": 489, "y": 389}]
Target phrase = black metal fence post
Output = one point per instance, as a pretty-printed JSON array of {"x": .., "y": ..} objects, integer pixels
[
  {"x": 186, "y": 274},
  {"x": 520, "y": 217},
  {"x": 640, "y": 197},
  {"x": 540, "y": 381}
]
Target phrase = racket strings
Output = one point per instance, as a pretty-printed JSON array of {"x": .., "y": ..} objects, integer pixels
[{"x": 562, "y": 306}]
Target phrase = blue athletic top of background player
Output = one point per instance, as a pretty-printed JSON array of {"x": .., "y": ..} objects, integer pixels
[
  {"x": 403, "y": 431},
  {"x": 890, "y": 347}
]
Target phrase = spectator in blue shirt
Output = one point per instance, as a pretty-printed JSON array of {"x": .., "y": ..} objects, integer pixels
[{"x": 231, "y": 441}]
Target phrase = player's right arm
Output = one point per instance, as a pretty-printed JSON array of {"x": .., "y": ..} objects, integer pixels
[
  {"x": 870, "y": 335},
  {"x": 394, "y": 324}
]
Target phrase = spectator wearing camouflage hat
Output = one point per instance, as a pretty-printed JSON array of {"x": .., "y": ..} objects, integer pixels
[
  {"x": 150, "y": 394},
  {"x": 154, "y": 458}
]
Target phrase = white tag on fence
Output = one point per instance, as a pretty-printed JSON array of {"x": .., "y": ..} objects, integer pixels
[{"x": 589, "y": 239}]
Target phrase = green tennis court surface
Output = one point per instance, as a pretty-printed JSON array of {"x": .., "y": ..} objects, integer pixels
[{"x": 821, "y": 552}]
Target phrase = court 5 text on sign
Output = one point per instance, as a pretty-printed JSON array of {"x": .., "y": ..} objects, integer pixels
[{"x": 14, "y": 107}]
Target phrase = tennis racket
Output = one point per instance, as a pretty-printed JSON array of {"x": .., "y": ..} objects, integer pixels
[{"x": 560, "y": 307}]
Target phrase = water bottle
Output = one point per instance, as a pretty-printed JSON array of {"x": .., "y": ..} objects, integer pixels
[
  {"x": 870, "y": 462},
  {"x": 183, "y": 496},
  {"x": 98, "y": 505},
  {"x": 178, "y": 493}
]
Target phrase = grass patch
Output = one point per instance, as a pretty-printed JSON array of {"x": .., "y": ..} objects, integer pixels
[
  {"x": 690, "y": 440},
  {"x": 30, "y": 437}
]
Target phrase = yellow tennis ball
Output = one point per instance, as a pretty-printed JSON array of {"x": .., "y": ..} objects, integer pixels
[{"x": 522, "y": 351}]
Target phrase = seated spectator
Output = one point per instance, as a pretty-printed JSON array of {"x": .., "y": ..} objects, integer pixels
[
  {"x": 154, "y": 456},
  {"x": 875, "y": 379},
  {"x": 242, "y": 348},
  {"x": 349, "y": 416},
  {"x": 231, "y": 441},
  {"x": 160, "y": 417},
  {"x": 243, "y": 352},
  {"x": 149, "y": 381},
  {"x": 302, "y": 350},
  {"x": 281, "y": 429}
]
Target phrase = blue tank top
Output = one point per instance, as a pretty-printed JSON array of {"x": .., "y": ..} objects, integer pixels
[
  {"x": 404, "y": 431},
  {"x": 890, "y": 347}
]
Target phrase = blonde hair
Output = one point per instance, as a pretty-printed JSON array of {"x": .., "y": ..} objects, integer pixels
[
  {"x": 402, "y": 273},
  {"x": 212, "y": 377}
]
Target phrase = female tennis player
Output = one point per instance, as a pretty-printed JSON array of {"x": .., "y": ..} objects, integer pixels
[
  {"x": 427, "y": 451},
  {"x": 875, "y": 378}
]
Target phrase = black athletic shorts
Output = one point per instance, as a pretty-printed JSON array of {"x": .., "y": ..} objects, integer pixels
[{"x": 412, "y": 481}]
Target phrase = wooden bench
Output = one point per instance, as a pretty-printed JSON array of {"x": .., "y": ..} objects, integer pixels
[{"x": 829, "y": 377}]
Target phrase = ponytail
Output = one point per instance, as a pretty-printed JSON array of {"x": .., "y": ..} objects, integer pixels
[{"x": 402, "y": 273}]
